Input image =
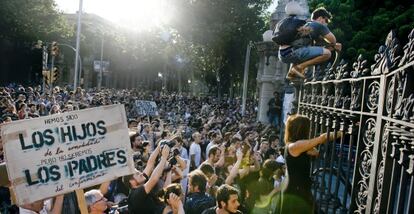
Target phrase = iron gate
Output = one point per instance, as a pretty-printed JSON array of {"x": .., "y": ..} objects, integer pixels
[{"x": 370, "y": 169}]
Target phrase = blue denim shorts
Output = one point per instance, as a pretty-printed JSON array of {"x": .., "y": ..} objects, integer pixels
[{"x": 299, "y": 55}]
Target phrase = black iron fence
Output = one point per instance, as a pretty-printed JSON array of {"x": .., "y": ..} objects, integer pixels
[{"x": 370, "y": 169}]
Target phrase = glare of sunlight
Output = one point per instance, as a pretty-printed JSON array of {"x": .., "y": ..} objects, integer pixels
[{"x": 134, "y": 14}]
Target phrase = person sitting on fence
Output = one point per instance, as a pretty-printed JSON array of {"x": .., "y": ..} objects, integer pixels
[
  {"x": 297, "y": 196},
  {"x": 295, "y": 38}
]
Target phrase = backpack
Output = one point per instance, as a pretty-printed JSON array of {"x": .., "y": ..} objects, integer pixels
[{"x": 286, "y": 30}]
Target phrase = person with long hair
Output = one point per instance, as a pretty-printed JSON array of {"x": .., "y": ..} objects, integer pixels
[{"x": 296, "y": 195}]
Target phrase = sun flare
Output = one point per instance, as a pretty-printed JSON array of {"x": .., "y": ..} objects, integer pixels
[{"x": 134, "y": 14}]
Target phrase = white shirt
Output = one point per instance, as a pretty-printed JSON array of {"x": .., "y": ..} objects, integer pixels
[
  {"x": 209, "y": 147},
  {"x": 280, "y": 159},
  {"x": 187, "y": 115},
  {"x": 46, "y": 208},
  {"x": 183, "y": 153},
  {"x": 195, "y": 149}
]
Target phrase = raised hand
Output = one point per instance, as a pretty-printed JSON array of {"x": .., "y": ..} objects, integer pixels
[
  {"x": 174, "y": 201},
  {"x": 212, "y": 180},
  {"x": 332, "y": 136},
  {"x": 165, "y": 152},
  {"x": 257, "y": 156},
  {"x": 239, "y": 154},
  {"x": 338, "y": 46}
]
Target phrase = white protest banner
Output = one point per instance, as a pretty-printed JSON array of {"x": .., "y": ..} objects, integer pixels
[
  {"x": 144, "y": 107},
  {"x": 60, "y": 153}
]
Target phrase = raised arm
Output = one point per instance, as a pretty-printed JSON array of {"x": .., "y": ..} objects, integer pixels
[
  {"x": 235, "y": 170},
  {"x": 103, "y": 188},
  {"x": 168, "y": 179},
  {"x": 57, "y": 205},
  {"x": 181, "y": 162},
  {"x": 178, "y": 173},
  {"x": 155, "y": 176},
  {"x": 151, "y": 161},
  {"x": 247, "y": 169},
  {"x": 297, "y": 148},
  {"x": 330, "y": 38},
  {"x": 220, "y": 162},
  {"x": 332, "y": 43}
]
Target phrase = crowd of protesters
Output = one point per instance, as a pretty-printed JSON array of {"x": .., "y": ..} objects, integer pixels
[{"x": 198, "y": 155}]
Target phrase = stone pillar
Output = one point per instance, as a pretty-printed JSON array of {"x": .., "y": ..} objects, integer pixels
[
  {"x": 266, "y": 76},
  {"x": 272, "y": 72}
]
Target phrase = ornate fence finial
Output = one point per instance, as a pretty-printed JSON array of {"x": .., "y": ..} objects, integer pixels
[
  {"x": 356, "y": 95},
  {"x": 318, "y": 73},
  {"x": 342, "y": 70},
  {"x": 408, "y": 50},
  {"x": 388, "y": 55},
  {"x": 329, "y": 72},
  {"x": 360, "y": 67}
]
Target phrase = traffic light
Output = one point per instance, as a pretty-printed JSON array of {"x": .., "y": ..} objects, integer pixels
[
  {"x": 38, "y": 44},
  {"x": 55, "y": 74},
  {"x": 55, "y": 49},
  {"x": 46, "y": 76}
]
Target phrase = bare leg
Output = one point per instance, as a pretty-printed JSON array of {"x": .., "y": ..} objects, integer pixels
[
  {"x": 326, "y": 55},
  {"x": 294, "y": 72},
  {"x": 299, "y": 70}
]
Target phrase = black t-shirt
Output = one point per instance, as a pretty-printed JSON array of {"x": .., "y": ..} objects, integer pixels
[
  {"x": 116, "y": 187},
  {"x": 274, "y": 105},
  {"x": 213, "y": 211},
  {"x": 141, "y": 202}
]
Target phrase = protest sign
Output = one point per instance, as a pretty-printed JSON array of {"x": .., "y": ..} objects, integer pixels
[
  {"x": 143, "y": 107},
  {"x": 60, "y": 153}
]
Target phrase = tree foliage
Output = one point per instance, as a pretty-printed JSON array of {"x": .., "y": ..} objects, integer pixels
[
  {"x": 220, "y": 31},
  {"x": 23, "y": 23},
  {"x": 30, "y": 20}
]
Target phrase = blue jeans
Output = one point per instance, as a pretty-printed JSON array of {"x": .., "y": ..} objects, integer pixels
[
  {"x": 274, "y": 119},
  {"x": 299, "y": 55}
]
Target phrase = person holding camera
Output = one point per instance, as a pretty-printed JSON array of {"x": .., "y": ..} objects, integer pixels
[{"x": 139, "y": 199}]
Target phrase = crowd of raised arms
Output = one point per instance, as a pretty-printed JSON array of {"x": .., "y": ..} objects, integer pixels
[{"x": 198, "y": 155}]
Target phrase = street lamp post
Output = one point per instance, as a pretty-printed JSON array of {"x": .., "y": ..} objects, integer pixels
[
  {"x": 75, "y": 79},
  {"x": 246, "y": 76},
  {"x": 101, "y": 65}
]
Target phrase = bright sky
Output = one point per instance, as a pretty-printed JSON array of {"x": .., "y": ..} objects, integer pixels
[{"x": 138, "y": 14}]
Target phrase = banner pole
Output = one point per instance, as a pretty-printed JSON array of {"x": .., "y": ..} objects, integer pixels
[{"x": 80, "y": 195}]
